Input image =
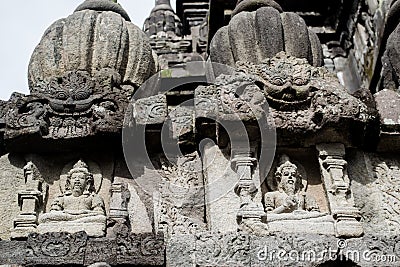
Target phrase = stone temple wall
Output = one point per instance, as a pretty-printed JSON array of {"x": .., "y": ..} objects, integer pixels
[{"x": 269, "y": 138}]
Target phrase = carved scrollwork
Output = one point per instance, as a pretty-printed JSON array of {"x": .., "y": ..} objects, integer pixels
[
  {"x": 70, "y": 106},
  {"x": 56, "y": 247},
  {"x": 141, "y": 249},
  {"x": 27, "y": 115},
  {"x": 150, "y": 110},
  {"x": 387, "y": 173},
  {"x": 223, "y": 250}
]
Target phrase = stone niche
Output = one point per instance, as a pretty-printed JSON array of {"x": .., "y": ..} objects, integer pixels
[
  {"x": 310, "y": 210},
  {"x": 49, "y": 200}
]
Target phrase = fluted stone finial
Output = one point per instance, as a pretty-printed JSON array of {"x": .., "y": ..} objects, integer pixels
[
  {"x": 253, "y": 5},
  {"x": 103, "y": 5},
  {"x": 163, "y": 22},
  {"x": 163, "y": 2},
  {"x": 98, "y": 41}
]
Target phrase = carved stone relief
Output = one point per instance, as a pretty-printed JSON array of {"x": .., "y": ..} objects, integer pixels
[
  {"x": 56, "y": 248},
  {"x": 182, "y": 124},
  {"x": 289, "y": 205},
  {"x": 140, "y": 249},
  {"x": 251, "y": 215},
  {"x": 78, "y": 208},
  {"x": 179, "y": 208},
  {"x": 31, "y": 202},
  {"x": 231, "y": 249},
  {"x": 335, "y": 177},
  {"x": 387, "y": 174},
  {"x": 301, "y": 98},
  {"x": 150, "y": 110},
  {"x": 73, "y": 105}
]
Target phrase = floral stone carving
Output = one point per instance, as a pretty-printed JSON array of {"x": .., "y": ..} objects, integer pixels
[
  {"x": 179, "y": 209},
  {"x": 387, "y": 173},
  {"x": 78, "y": 208},
  {"x": 56, "y": 248},
  {"x": 70, "y": 106}
]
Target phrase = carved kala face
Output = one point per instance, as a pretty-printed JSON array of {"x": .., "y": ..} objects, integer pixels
[
  {"x": 78, "y": 183},
  {"x": 288, "y": 83},
  {"x": 71, "y": 93}
]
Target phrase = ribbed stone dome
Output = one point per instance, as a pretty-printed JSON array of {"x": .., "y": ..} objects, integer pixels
[
  {"x": 259, "y": 30},
  {"x": 97, "y": 39}
]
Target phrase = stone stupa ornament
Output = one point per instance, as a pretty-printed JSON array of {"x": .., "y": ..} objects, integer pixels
[
  {"x": 259, "y": 30},
  {"x": 80, "y": 85},
  {"x": 163, "y": 22}
]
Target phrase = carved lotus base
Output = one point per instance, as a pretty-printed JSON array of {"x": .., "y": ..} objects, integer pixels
[
  {"x": 92, "y": 229},
  {"x": 318, "y": 225}
]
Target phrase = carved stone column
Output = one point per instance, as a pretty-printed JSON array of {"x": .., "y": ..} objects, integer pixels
[
  {"x": 30, "y": 201},
  {"x": 251, "y": 214},
  {"x": 337, "y": 183},
  {"x": 119, "y": 216}
]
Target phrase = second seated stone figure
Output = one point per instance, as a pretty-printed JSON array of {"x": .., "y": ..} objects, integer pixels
[
  {"x": 289, "y": 197},
  {"x": 290, "y": 201},
  {"x": 78, "y": 208}
]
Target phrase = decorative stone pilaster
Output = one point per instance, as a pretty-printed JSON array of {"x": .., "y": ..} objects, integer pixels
[
  {"x": 337, "y": 183},
  {"x": 251, "y": 215},
  {"x": 119, "y": 216},
  {"x": 30, "y": 201}
]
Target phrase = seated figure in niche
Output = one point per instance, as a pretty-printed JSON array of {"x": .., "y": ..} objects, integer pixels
[
  {"x": 290, "y": 201},
  {"x": 79, "y": 203}
]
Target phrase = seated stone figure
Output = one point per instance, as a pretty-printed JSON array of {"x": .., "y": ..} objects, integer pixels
[
  {"x": 79, "y": 208},
  {"x": 290, "y": 201}
]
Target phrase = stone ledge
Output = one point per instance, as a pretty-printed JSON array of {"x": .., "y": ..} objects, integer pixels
[{"x": 56, "y": 249}]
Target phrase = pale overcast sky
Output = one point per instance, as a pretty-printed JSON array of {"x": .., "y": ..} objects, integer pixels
[{"x": 22, "y": 24}]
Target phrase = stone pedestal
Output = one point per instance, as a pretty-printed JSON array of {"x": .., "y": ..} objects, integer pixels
[
  {"x": 30, "y": 201},
  {"x": 91, "y": 229},
  {"x": 251, "y": 215}
]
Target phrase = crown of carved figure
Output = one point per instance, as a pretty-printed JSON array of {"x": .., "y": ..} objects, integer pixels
[
  {"x": 80, "y": 166},
  {"x": 285, "y": 164}
]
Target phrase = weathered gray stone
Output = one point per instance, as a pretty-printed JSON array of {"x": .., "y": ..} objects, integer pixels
[
  {"x": 55, "y": 248},
  {"x": 255, "y": 36},
  {"x": 140, "y": 249},
  {"x": 100, "y": 42},
  {"x": 376, "y": 191},
  {"x": 220, "y": 181},
  {"x": 180, "y": 251},
  {"x": 12, "y": 180},
  {"x": 301, "y": 98},
  {"x": 100, "y": 250},
  {"x": 388, "y": 106},
  {"x": 103, "y": 5}
]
